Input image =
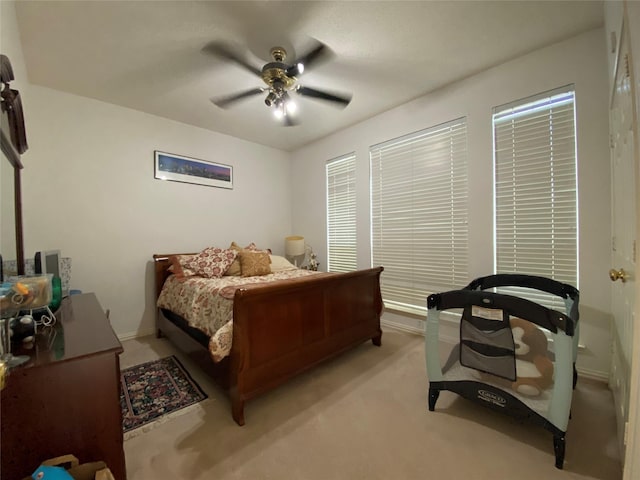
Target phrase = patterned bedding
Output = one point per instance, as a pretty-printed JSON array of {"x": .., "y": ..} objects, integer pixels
[{"x": 207, "y": 303}]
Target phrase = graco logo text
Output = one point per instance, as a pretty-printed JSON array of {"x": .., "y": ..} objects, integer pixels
[{"x": 491, "y": 397}]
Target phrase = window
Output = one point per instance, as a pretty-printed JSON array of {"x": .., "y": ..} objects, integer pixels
[
  {"x": 419, "y": 214},
  {"x": 535, "y": 181},
  {"x": 341, "y": 214}
]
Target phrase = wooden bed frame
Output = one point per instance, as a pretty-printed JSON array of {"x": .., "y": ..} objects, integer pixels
[{"x": 283, "y": 329}]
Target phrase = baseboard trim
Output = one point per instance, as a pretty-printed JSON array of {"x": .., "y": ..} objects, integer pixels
[
  {"x": 137, "y": 334},
  {"x": 402, "y": 327},
  {"x": 593, "y": 375},
  {"x": 449, "y": 329}
]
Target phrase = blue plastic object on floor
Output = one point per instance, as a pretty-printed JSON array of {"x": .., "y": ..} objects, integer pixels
[{"x": 51, "y": 473}]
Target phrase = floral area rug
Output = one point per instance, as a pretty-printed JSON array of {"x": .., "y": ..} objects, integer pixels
[{"x": 153, "y": 392}]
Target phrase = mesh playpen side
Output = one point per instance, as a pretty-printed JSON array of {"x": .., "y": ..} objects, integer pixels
[{"x": 504, "y": 359}]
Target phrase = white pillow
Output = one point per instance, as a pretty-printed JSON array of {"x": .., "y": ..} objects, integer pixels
[{"x": 279, "y": 264}]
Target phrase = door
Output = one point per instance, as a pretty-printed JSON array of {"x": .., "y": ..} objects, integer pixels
[
  {"x": 623, "y": 241},
  {"x": 624, "y": 164}
]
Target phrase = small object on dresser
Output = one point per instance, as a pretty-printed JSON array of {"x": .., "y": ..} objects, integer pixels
[
  {"x": 56, "y": 290},
  {"x": 23, "y": 329}
]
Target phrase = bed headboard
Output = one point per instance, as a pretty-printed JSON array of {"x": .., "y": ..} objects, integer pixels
[{"x": 162, "y": 264}]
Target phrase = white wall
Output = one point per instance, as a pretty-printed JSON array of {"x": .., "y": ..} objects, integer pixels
[
  {"x": 10, "y": 46},
  {"x": 89, "y": 190},
  {"x": 10, "y": 43},
  {"x": 582, "y": 61}
]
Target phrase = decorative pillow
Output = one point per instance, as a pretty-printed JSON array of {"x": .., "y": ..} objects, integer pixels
[
  {"x": 179, "y": 265},
  {"x": 279, "y": 264},
  {"x": 235, "y": 246},
  {"x": 254, "y": 264},
  {"x": 212, "y": 262},
  {"x": 235, "y": 269},
  {"x": 252, "y": 247}
]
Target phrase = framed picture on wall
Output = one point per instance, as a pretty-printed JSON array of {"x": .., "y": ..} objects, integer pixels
[{"x": 178, "y": 168}]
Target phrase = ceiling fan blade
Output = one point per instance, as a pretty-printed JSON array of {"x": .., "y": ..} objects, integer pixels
[
  {"x": 222, "y": 51},
  {"x": 341, "y": 100},
  {"x": 320, "y": 51},
  {"x": 224, "y": 102}
]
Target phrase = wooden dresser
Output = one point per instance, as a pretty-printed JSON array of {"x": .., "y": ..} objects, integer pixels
[{"x": 66, "y": 398}]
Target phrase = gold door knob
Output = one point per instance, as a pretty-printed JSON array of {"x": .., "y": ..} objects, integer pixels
[
  {"x": 3, "y": 373},
  {"x": 618, "y": 275}
]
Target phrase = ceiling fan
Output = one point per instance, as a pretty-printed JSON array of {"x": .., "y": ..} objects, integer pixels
[{"x": 280, "y": 78}]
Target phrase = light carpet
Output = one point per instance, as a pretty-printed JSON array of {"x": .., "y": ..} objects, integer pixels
[{"x": 364, "y": 416}]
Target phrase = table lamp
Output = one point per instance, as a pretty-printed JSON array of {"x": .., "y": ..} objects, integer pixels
[{"x": 294, "y": 249}]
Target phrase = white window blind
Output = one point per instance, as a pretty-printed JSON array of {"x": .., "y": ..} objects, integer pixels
[
  {"x": 536, "y": 204},
  {"x": 419, "y": 214},
  {"x": 341, "y": 214}
]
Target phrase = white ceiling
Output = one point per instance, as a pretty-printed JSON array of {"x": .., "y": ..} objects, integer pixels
[{"x": 146, "y": 55}]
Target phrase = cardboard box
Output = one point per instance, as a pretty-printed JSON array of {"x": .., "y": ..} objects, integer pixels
[{"x": 80, "y": 471}]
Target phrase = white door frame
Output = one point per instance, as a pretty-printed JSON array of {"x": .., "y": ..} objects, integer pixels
[{"x": 632, "y": 456}]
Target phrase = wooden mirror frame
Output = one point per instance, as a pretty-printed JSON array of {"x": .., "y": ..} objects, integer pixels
[
  {"x": 14, "y": 160},
  {"x": 13, "y": 142}
]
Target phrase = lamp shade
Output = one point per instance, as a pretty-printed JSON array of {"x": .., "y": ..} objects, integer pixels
[{"x": 294, "y": 245}]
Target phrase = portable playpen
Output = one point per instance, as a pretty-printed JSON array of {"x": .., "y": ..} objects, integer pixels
[{"x": 514, "y": 355}]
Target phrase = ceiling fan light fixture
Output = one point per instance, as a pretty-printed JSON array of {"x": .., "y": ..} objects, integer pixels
[
  {"x": 281, "y": 107},
  {"x": 271, "y": 99}
]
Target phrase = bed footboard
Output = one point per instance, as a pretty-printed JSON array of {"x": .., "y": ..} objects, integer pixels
[{"x": 281, "y": 330}]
